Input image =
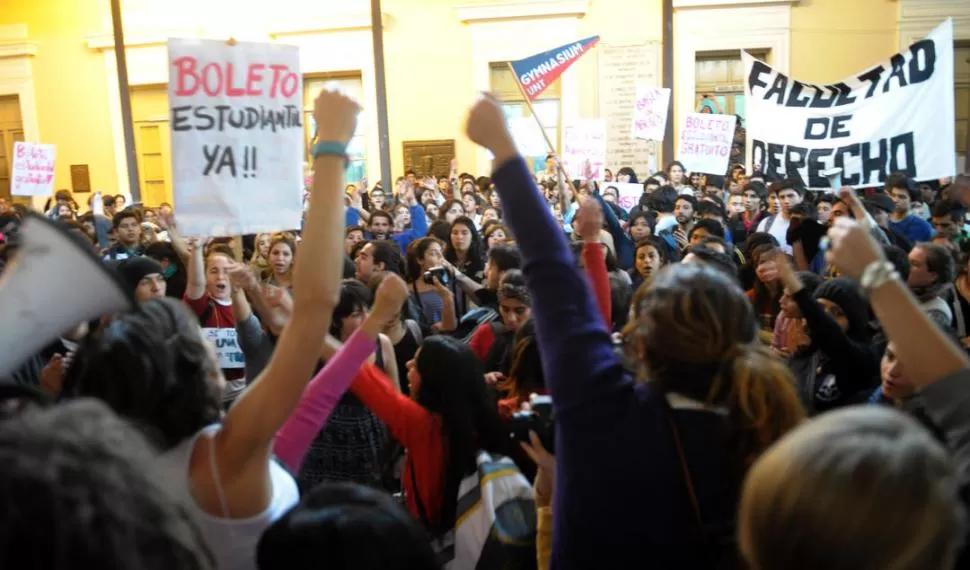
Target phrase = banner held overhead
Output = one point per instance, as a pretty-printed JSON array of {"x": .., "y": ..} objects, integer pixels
[{"x": 897, "y": 116}]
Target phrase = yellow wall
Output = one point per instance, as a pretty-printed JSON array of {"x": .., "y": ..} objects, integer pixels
[
  {"x": 428, "y": 53},
  {"x": 69, "y": 83},
  {"x": 833, "y": 39}
]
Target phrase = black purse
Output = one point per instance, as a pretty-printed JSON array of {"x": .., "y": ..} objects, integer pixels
[{"x": 719, "y": 544}]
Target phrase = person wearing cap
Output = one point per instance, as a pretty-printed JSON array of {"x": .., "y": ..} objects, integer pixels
[
  {"x": 143, "y": 276},
  {"x": 880, "y": 207},
  {"x": 903, "y": 192}
]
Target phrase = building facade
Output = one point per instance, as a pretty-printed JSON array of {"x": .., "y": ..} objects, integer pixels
[{"x": 59, "y": 81}]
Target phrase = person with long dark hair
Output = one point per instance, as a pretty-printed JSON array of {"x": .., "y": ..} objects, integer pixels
[
  {"x": 444, "y": 426},
  {"x": 465, "y": 248},
  {"x": 649, "y": 474}
]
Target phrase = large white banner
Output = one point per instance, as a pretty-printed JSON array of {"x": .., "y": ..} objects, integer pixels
[
  {"x": 894, "y": 117},
  {"x": 237, "y": 136}
]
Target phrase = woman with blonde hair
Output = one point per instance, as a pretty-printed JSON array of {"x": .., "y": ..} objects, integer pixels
[
  {"x": 260, "y": 260},
  {"x": 856, "y": 489},
  {"x": 648, "y": 475}
]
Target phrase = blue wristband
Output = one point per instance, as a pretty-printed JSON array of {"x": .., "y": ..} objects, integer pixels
[{"x": 330, "y": 148}]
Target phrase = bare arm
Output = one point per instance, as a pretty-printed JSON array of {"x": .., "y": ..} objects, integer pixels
[
  {"x": 921, "y": 346},
  {"x": 243, "y": 443},
  {"x": 195, "y": 280}
]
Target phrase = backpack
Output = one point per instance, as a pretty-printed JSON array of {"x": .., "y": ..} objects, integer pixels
[
  {"x": 471, "y": 320},
  {"x": 769, "y": 221},
  {"x": 495, "y": 518}
]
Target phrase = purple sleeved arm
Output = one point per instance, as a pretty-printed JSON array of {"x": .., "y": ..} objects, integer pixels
[
  {"x": 577, "y": 352},
  {"x": 319, "y": 399}
]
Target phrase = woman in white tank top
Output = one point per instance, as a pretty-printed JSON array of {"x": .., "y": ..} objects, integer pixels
[{"x": 153, "y": 366}]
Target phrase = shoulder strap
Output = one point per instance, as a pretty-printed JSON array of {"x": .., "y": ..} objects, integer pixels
[
  {"x": 685, "y": 470},
  {"x": 415, "y": 329},
  {"x": 770, "y": 222},
  {"x": 204, "y": 317}
]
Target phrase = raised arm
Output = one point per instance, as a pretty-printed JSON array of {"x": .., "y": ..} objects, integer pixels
[
  {"x": 921, "y": 346},
  {"x": 243, "y": 443},
  {"x": 565, "y": 314},
  {"x": 326, "y": 388},
  {"x": 195, "y": 280},
  {"x": 625, "y": 248},
  {"x": 594, "y": 261}
]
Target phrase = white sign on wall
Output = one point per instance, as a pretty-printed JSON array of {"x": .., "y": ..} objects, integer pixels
[
  {"x": 237, "y": 136},
  {"x": 896, "y": 116}
]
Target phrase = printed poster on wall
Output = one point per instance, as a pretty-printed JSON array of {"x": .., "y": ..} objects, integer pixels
[
  {"x": 705, "y": 142},
  {"x": 650, "y": 113},
  {"x": 896, "y": 116},
  {"x": 584, "y": 148},
  {"x": 32, "y": 169},
  {"x": 237, "y": 136}
]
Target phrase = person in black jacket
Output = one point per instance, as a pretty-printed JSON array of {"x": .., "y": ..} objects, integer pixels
[{"x": 839, "y": 366}]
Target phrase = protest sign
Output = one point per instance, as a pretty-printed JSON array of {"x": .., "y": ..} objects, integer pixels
[
  {"x": 227, "y": 348},
  {"x": 705, "y": 142},
  {"x": 628, "y": 194},
  {"x": 897, "y": 116},
  {"x": 584, "y": 148},
  {"x": 527, "y": 136},
  {"x": 237, "y": 136},
  {"x": 650, "y": 113},
  {"x": 33, "y": 169},
  {"x": 537, "y": 72}
]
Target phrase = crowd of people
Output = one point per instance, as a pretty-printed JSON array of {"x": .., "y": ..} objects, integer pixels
[{"x": 507, "y": 371}]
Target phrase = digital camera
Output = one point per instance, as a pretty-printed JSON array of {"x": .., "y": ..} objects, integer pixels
[
  {"x": 538, "y": 418},
  {"x": 440, "y": 272}
]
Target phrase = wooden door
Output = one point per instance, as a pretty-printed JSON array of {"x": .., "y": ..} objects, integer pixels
[
  {"x": 11, "y": 131},
  {"x": 153, "y": 143}
]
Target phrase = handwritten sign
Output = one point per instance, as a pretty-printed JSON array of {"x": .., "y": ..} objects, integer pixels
[
  {"x": 584, "y": 148},
  {"x": 628, "y": 194},
  {"x": 705, "y": 142},
  {"x": 650, "y": 113},
  {"x": 227, "y": 348},
  {"x": 33, "y": 169},
  {"x": 237, "y": 136},
  {"x": 623, "y": 68}
]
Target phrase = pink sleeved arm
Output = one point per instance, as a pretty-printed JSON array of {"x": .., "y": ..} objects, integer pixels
[{"x": 319, "y": 399}]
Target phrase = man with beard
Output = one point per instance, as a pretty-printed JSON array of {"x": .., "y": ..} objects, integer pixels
[{"x": 684, "y": 207}]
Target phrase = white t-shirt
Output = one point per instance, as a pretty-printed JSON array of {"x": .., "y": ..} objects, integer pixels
[{"x": 779, "y": 229}]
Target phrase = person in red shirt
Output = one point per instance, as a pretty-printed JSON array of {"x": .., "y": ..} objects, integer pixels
[
  {"x": 208, "y": 293},
  {"x": 448, "y": 421}
]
